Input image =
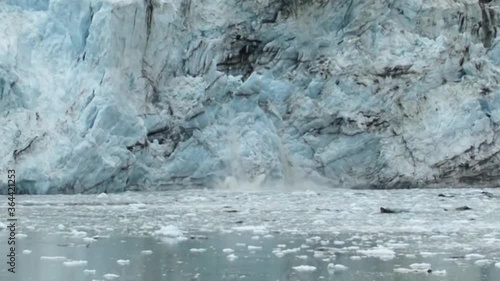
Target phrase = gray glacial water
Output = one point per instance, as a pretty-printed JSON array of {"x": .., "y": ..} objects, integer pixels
[
  {"x": 187, "y": 232},
  {"x": 176, "y": 262}
]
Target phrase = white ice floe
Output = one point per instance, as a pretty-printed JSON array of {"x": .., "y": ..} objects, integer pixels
[
  {"x": 497, "y": 264},
  {"x": 110, "y": 276},
  {"x": 26, "y": 252},
  {"x": 427, "y": 254},
  {"x": 241, "y": 245},
  {"x": 382, "y": 253},
  {"x": 474, "y": 256},
  {"x": 170, "y": 234},
  {"x": 440, "y": 272},
  {"x": 2, "y": 226},
  {"x": 231, "y": 257},
  {"x": 123, "y": 262},
  {"x": 78, "y": 234},
  {"x": 318, "y": 254},
  {"x": 483, "y": 262},
  {"x": 197, "y": 250},
  {"x": 253, "y": 228},
  {"x": 304, "y": 268},
  {"x": 227, "y": 251},
  {"x": 89, "y": 240},
  {"x": 420, "y": 266},
  {"x": 290, "y": 251},
  {"x": 53, "y": 258},
  {"x": 169, "y": 231},
  {"x": 146, "y": 252},
  {"x": 403, "y": 270},
  {"x": 355, "y": 258},
  {"x": 279, "y": 254},
  {"x": 75, "y": 263},
  {"x": 302, "y": 257},
  {"x": 332, "y": 268},
  {"x": 89, "y": 271},
  {"x": 254, "y": 248}
]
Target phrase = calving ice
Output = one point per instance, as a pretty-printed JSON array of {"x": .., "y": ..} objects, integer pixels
[{"x": 141, "y": 95}]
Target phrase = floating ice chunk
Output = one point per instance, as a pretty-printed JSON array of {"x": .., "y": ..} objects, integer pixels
[
  {"x": 440, "y": 272},
  {"x": 355, "y": 258},
  {"x": 279, "y": 254},
  {"x": 61, "y": 227},
  {"x": 169, "y": 231},
  {"x": 420, "y": 266},
  {"x": 110, "y": 276},
  {"x": 439, "y": 237},
  {"x": 171, "y": 234},
  {"x": 482, "y": 262},
  {"x": 54, "y": 258},
  {"x": 89, "y": 240},
  {"x": 74, "y": 263},
  {"x": 338, "y": 243},
  {"x": 497, "y": 264},
  {"x": 26, "y": 252},
  {"x": 195, "y": 250},
  {"x": 304, "y": 268},
  {"x": 21, "y": 236},
  {"x": 290, "y": 251},
  {"x": 382, "y": 253},
  {"x": 268, "y": 236},
  {"x": 227, "y": 251},
  {"x": 313, "y": 240},
  {"x": 2, "y": 226},
  {"x": 281, "y": 246},
  {"x": 302, "y": 257},
  {"x": 474, "y": 256},
  {"x": 427, "y": 254},
  {"x": 89, "y": 271},
  {"x": 102, "y": 195},
  {"x": 255, "y": 228},
  {"x": 403, "y": 270},
  {"x": 410, "y": 256},
  {"x": 255, "y": 237},
  {"x": 318, "y": 222},
  {"x": 231, "y": 257},
  {"x": 123, "y": 262},
  {"x": 146, "y": 252},
  {"x": 241, "y": 245},
  {"x": 339, "y": 267},
  {"x": 78, "y": 234},
  {"x": 253, "y": 248}
]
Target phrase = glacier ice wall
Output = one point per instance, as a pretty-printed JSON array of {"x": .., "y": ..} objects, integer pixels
[{"x": 114, "y": 95}]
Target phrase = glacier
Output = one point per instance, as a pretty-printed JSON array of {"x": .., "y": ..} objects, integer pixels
[{"x": 115, "y": 95}]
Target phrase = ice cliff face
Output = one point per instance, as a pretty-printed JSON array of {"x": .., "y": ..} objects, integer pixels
[{"x": 111, "y": 95}]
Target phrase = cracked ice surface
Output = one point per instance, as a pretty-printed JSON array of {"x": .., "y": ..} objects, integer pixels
[{"x": 109, "y": 95}]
